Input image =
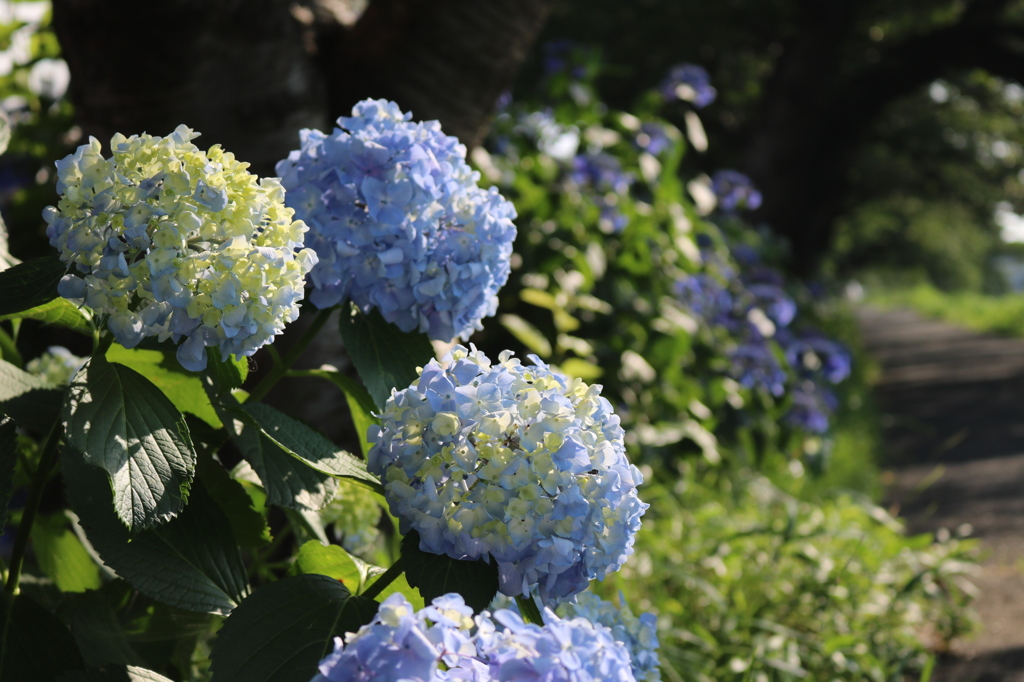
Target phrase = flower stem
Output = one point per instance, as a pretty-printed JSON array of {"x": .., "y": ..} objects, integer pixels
[
  {"x": 281, "y": 368},
  {"x": 39, "y": 478},
  {"x": 528, "y": 609},
  {"x": 385, "y": 579}
]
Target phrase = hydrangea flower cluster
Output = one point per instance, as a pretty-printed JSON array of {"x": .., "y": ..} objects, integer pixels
[
  {"x": 399, "y": 223},
  {"x": 170, "y": 241},
  {"x": 403, "y": 644},
  {"x": 819, "y": 362},
  {"x": 57, "y": 365},
  {"x": 522, "y": 464},
  {"x": 735, "y": 191},
  {"x": 688, "y": 82},
  {"x": 639, "y": 635},
  {"x": 445, "y": 642},
  {"x": 653, "y": 137},
  {"x": 753, "y": 309}
]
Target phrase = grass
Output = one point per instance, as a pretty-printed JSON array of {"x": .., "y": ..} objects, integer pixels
[{"x": 981, "y": 312}]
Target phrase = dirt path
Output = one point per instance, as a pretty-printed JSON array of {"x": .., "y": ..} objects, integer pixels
[{"x": 953, "y": 416}]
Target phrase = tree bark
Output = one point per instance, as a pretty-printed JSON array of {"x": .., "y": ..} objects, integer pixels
[
  {"x": 235, "y": 70},
  {"x": 447, "y": 60}
]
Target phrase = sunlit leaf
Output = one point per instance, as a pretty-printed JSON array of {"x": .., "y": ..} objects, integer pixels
[{"x": 123, "y": 424}]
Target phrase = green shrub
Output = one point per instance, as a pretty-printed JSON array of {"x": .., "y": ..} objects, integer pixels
[{"x": 753, "y": 584}]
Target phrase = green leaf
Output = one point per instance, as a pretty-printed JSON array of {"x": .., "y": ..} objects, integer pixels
[
  {"x": 61, "y": 555},
  {"x": 60, "y": 312},
  {"x": 309, "y": 446},
  {"x": 384, "y": 356},
  {"x": 34, "y": 644},
  {"x": 332, "y": 561},
  {"x": 360, "y": 404},
  {"x": 183, "y": 388},
  {"x": 114, "y": 673},
  {"x": 123, "y": 424},
  {"x": 227, "y": 374},
  {"x": 287, "y": 481},
  {"x": 527, "y": 334},
  {"x": 401, "y": 585},
  {"x": 28, "y": 399},
  {"x": 30, "y": 284},
  {"x": 435, "y": 574},
  {"x": 8, "y": 458},
  {"x": 280, "y": 633},
  {"x": 249, "y": 526},
  {"x": 94, "y": 625},
  {"x": 9, "y": 351},
  {"x": 192, "y": 562}
]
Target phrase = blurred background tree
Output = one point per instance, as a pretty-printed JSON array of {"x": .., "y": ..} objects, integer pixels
[{"x": 888, "y": 129}]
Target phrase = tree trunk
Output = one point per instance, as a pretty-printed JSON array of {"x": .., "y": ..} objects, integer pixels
[
  {"x": 447, "y": 60},
  {"x": 235, "y": 70}
]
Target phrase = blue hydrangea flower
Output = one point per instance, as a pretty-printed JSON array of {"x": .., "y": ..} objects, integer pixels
[
  {"x": 653, "y": 137},
  {"x": 400, "y": 644},
  {"x": 170, "y": 241},
  {"x": 812, "y": 405},
  {"x": 600, "y": 171},
  {"x": 735, "y": 191},
  {"x": 444, "y": 642},
  {"x": 399, "y": 223},
  {"x": 562, "y": 650},
  {"x": 812, "y": 354},
  {"x": 705, "y": 296},
  {"x": 754, "y": 365},
  {"x": 639, "y": 635},
  {"x": 688, "y": 82},
  {"x": 517, "y": 463}
]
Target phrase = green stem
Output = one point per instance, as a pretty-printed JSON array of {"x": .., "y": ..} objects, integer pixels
[
  {"x": 281, "y": 368},
  {"x": 386, "y": 578},
  {"x": 39, "y": 478},
  {"x": 528, "y": 609}
]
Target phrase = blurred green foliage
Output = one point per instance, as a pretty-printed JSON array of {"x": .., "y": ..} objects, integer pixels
[{"x": 973, "y": 310}]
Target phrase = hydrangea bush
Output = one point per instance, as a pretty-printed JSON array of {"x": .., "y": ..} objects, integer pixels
[{"x": 176, "y": 264}]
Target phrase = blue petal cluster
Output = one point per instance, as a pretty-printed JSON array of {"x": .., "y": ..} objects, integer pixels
[
  {"x": 689, "y": 82},
  {"x": 522, "y": 464},
  {"x": 400, "y": 644},
  {"x": 639, "y": 635},
  {"x": 398, "y": 222},
  {"x": 818, "y": 362},
  {"x": 749, "y": 306},
  {"x": 167, "y": 240},
  {"x": 735, "y": 191},
  {"x": 562, "y": 650},
  {"x": 444, "y": 642}
]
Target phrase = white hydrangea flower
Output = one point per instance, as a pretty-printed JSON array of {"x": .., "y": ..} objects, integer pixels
[{"x": 170, "y": 241}]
